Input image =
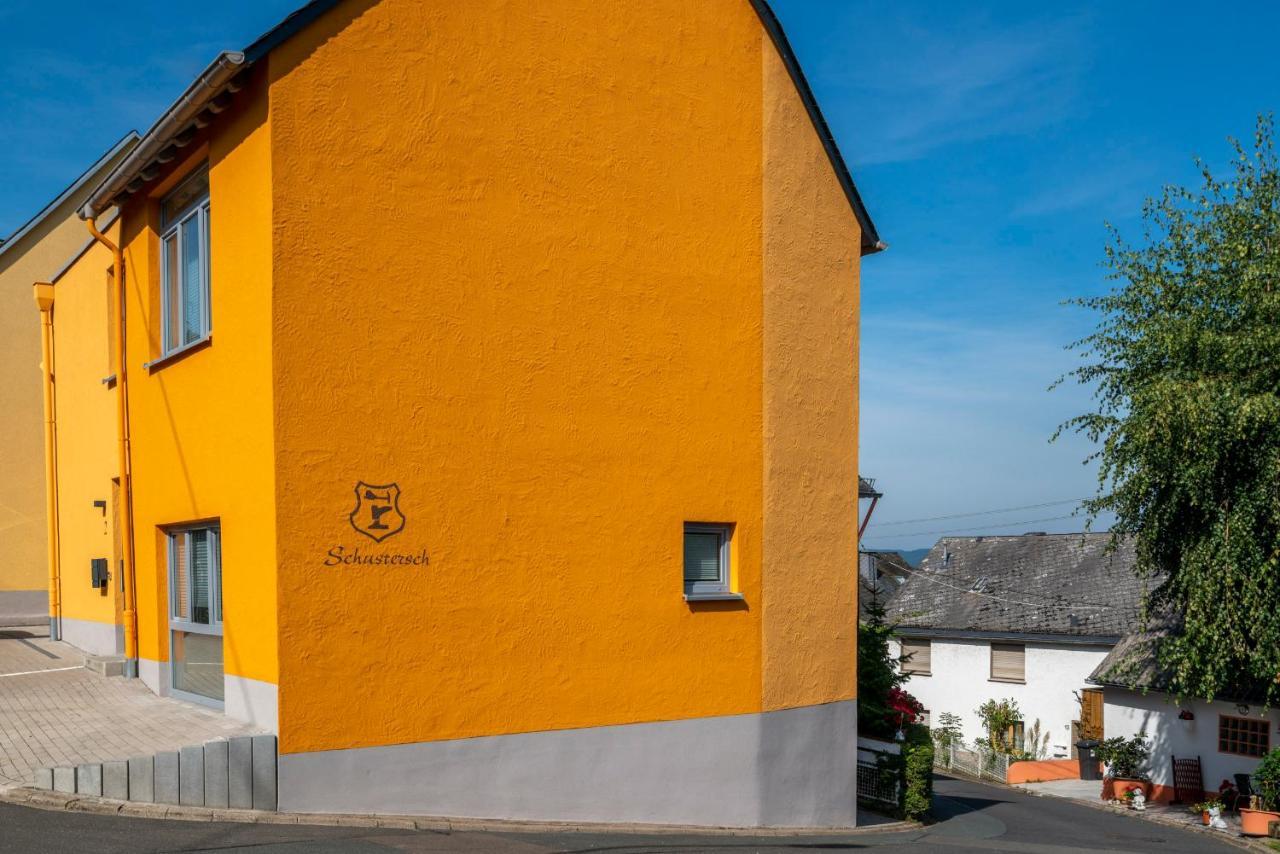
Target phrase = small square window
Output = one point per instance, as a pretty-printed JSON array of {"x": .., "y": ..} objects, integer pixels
[{"x": 706, "y": 559}]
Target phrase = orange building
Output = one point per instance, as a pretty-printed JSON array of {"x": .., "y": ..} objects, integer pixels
[{"x": 491, "y": 384}]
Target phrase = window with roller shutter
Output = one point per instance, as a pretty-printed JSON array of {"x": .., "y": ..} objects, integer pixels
[
  {"x": 917, "y": 656},
  {"x": 1008, "y": 662}
]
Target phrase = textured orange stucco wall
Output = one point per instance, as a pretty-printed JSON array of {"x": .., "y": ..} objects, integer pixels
[
  {"x": 517, "y": 272},
  {"x": 201, "y": 426},
  {"x": 811, "y": 266},
  {"x": 86, "y": 436}
]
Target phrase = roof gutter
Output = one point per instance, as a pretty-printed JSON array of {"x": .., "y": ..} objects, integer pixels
[
  {"x": 1026, "y": 637},
  {"x": 171, "y": 123}
]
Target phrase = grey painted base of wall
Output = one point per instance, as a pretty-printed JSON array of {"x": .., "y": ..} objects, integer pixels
[
  {"x": 252, "y": 701},
  {"x": 792, "y": 768},
  {"x": 93, "y": 638},
  {"x": 24, "y": 607},
  {"x": 155, "y": 675}
]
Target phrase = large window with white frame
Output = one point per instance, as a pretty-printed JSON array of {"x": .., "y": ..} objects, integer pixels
[
  {"x": 184, "y": 263},
  {"x": 195, "y": 611}
]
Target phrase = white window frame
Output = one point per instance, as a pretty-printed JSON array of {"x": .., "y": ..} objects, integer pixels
[
  {"x": 171, "y": 228},
  {"x": 182, "y": 622},
  {"x": 720, "y": 588}
]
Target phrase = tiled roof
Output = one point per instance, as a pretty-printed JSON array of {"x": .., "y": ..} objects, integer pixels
[
  {"x": 1060, "y": 584},
  {"x": 880, "y": 574},
  {"x": 1133, "y": 663}
]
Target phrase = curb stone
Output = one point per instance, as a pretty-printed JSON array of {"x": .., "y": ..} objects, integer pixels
[
  {"x": 1245, "y": 843},
  {"x": 41, "y": 799}
]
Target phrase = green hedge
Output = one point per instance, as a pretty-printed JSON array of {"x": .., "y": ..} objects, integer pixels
[{"x": 917, "y": 772}]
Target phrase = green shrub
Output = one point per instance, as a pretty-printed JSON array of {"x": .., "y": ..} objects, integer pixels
[
  {"x": 1266, "y": 780},
  {"x": 917, "y": 772},
  {"x": 1125, "y": 758}
]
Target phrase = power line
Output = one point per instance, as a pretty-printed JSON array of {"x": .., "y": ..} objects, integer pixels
[
  {"x": 930, "y": 578},
  {"x": 979, "y": 513},
  {"x": 970, "y": 530}
]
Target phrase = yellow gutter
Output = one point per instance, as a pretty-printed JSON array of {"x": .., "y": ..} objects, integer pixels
[
  {"x": 122, "y": 434},
  {"x": 44, "y": 302}
]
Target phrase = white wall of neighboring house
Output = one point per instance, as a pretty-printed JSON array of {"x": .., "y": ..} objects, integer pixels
[
  {"x": 960, "y": 682},
  {"x": 1127, "y": 713}
]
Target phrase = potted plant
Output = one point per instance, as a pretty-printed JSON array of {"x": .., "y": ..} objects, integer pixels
[
  {"x": 1125, "y": 759},
  {"x": 1265, "y": 807},
  {"x": 1208, "y": 810}
]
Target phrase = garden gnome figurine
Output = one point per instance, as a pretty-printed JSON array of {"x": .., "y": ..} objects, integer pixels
[
  {"x": 1139, "y": 800},
  {"x": 1215, "y": 818}
]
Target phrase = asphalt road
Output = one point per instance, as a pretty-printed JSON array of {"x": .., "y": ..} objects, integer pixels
[{"x": 972, "y": 817}]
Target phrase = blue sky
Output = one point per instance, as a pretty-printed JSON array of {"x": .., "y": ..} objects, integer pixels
[{"x": 990, "y": 141}]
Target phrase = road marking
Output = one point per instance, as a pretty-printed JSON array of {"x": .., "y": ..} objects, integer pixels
[{"x": 32, "y": 672}]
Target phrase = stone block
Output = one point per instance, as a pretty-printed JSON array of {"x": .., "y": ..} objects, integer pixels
[
  {"x": 166, "y": 768},
  {"x": 43, "y": 779},
  {"x": 115, "y": 780},
  {"x": 216, "y": 780},
  {"x": 191, "y": 776},
  {"x": 240, "y": 773},
  {"x": 142, "y": 779},
  {"x": 64, "y": 780},
  {"x": 264, "y": 772},
  {"x": 89, "y": 780}
]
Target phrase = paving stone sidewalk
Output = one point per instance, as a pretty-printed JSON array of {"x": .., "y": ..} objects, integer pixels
[{"x": 55, "y": 712}]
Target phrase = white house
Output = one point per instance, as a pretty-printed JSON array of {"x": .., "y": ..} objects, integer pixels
[
  {"x": 1227, "y": 736},
  {"x": 1025, "y": 617}
]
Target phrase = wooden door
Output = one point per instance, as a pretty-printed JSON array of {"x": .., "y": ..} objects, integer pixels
[{"x": 1091, "y": 713}]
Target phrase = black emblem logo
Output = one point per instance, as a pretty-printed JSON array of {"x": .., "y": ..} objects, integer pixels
[{"x": 377, "y": 514}]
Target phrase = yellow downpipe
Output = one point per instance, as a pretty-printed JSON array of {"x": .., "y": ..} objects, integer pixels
[
  {"x": 44, "y": 302},
  {"x": 122, "y": 434}
]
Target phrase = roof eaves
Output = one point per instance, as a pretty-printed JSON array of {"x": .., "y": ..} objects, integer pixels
[
  {"x": 208, "y": 86},
  {"x": 176, "y": 118},
  {"x": 871, "y": 241},
  {"x": 167, "y": 132}
]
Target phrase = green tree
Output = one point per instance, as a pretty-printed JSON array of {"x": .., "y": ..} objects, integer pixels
[
  {"x": 878, "y": 673},
  {"x": 1185, "y": 362}
]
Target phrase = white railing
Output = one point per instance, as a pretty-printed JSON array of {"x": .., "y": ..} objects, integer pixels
[
  {"x": 975, "y": 760},
  {"x": 877, "y": 783}
]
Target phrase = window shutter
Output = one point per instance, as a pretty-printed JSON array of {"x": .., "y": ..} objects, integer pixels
[
  {"x": 921, "y": 652},
  {"x": 181, "y": 592},
  {"x": 701, "y": 557},
  {"x": 1008, "y": 662},
  {"x": 200, "y": 577}
]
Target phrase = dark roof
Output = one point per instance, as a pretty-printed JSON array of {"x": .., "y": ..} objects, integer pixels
[
  {"x": 891, "y": 563},
  {"x": 163, "y": 134},
  {"x": 1051, "y": 584},
  {"x": 869, "y": 591},
  {"x": 880, "y": 574},
  {"x": 1134, "y": 663}
]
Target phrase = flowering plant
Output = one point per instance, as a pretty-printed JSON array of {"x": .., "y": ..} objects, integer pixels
[{"x": 904, "y": 709}]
